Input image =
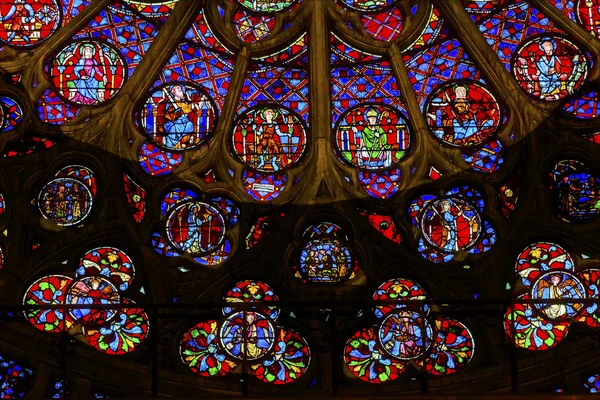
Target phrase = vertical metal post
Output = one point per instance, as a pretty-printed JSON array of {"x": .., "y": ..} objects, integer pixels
[
  {"x": 154, "y": 351},
  {"x": 245, "y": 331},
  {"x": 335, "y": 365},
  {"x": 424, "y": 377},
  {"x": 514, "y": 368},
  {"x": 62, "y": 345}
]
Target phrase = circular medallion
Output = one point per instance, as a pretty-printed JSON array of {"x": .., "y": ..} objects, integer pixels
[
  {"x": 65, "y": 201},
  {"x": 288, "y": 361},
  {"x": 195, "y": 227},
  {"x": 92, "y": 290},
  {"x": 121, "y": 335},
  {"x": 269, "y": 138},
  {"x": 178, "y": 117},
  {"x": 452, "y": 348},
  {"x": 367, "y": 5},
  {"x": 528, "y": 330},
  {"x": 463, "y": 113},
  {"x": 201, "y": 351},
  {"x": 248, "y": 335},
  {"x": 549, "y": 67},
  {"x": 539, "y": 257},
  {"x": 405, "y": 335},
  {"x": 559, "y": 285},
  {"x": 326, "y": 261},
  {"x": 88, "y": 72},
  {"x": 372, "y": 136},
  {"x": 110, "y": 263},
  {"x": 395, "y": 291},
  {"x": 251, "y": 292},
  {"x": 26, "y": 23},
  {"x": 450, "y": 224},
  {"x": 588, "y": 14},
  {"x": 267, "y": 6},
  {"x": 367, "y": 361},
  {"x": 49, "y": 290}
]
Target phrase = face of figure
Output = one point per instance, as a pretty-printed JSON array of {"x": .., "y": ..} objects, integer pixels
[
  {"x": 461, "y": 92},
  {"x": 87, "y": 52},
  {"x": 446, "y": 206},
  {"x": 372, "y": 120},
  {"x": 250, "y": 318},
  {"x": 269, "y": 115},
  {"x": 548, "y": 48},
  {"x": 177, "y": 92},
  {"x": 555, "y": 280}
]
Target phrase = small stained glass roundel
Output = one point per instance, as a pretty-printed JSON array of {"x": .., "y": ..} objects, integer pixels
[
  {"x": 26, "y": 23},
  {"x": 201, "y": 351},
  {"x": 178, "y": 116},
  {"x": 247, "y": 335},
  {"x": 395, "y": 292},
  {"x": 267, "y": 6},
  {"x": 372, "y": 136},
  {"x": 367, "y": 5},
  {"x": 556, "y": 285},
  {"x": 122, "y": 335},
  {"x": 65, "y": 201},
  {"x": 250, "y": 291},
  {"x": 288, "y": 361},
  {"x": 92, "y": 290},
  {"x": 195, "y": 227},
  {"x": 550, "y": 67},
  {"x": 110, "y": 263},
  {"x": 367, "y": 361},
  {"x": 88, "y": 72},
  {"x": 49, "y": 290},
  {"x": 463, "y": 113},
  {"x": 269, "y": 138},
  {"x": 451, "y": 224},
  {"x": 405, "y": 335},
  {"x": 452, "y": 349}
]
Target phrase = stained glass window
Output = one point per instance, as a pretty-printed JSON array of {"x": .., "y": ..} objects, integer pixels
[{"x": 265, "y": 197}]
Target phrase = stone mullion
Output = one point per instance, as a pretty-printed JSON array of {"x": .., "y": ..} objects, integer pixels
[
  {"x": 501, "y": 81},
  {"x": 223, "y": 130},
  {"x": 321, "y": 152},
  {"x": 426, "y": 145}
]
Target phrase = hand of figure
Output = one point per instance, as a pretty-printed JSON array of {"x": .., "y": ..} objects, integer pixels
[
  {"x": 84, "y": 77},
  {"x": 552, "y": 71},
  {"x": 104, "y": 79}
]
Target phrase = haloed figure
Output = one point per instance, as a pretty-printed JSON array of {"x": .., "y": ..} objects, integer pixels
[
  {"x": 91, "y": 77},
  {"x": 269, "y": 139}
]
